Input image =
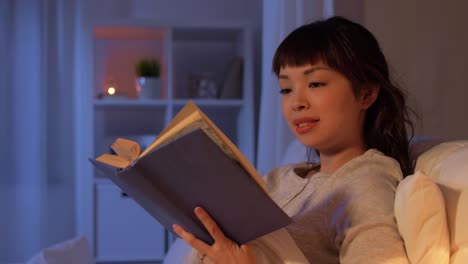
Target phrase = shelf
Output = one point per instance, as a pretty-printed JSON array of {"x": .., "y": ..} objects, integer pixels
[
  {"x": 188, "y": 56},
  {"x": 127, "y": 103},
  {"x": 201, "y": 52},
  {"x": 222, "y": 103},
  {"x": 218, "y": 103},
  {"x": 118, "y": 49}
]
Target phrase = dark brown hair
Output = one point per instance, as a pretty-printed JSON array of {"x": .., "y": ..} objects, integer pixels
[{"x": 352, "y": 50}]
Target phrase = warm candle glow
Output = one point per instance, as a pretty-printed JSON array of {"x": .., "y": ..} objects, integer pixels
[{"x": 111, "y": 90}]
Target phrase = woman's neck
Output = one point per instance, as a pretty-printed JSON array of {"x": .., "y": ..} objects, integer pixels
[{"x": 331, "y": 161}]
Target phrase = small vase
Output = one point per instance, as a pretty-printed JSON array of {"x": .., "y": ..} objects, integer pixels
[{"x": 149, "y": 87}]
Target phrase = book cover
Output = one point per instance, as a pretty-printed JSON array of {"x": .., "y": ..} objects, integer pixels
[{"x": 191, "y": 170}]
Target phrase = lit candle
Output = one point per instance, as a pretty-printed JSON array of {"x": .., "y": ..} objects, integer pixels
[
  {"x": 112, "y": 94},
  {"x": 111, "y": 90}
]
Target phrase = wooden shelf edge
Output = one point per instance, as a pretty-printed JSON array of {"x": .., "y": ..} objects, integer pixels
[
  {"x": 130, "y": 103},
  {"x": 211, "y": 102}
]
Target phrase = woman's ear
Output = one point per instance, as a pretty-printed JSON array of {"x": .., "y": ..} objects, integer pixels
[{"x": 368, "y": 95}]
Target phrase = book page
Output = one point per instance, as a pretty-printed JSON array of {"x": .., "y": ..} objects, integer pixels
[
  {"x": 126, "y": 149},
  {"x": 113, "y": 160},
  {"x": 190, "y": 118},
  {"x": 216, "y": 139},
  {"x": 193, "y": 121},
  {"x": 186, "y": 111},
  {"x": 186, "y": 125},
  {"x": 231, "y": 149}
]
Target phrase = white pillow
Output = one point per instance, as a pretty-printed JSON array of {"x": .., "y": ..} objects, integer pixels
[
  {"x": 421, "y": 219},
  {"x": 447, "y": 165},
  {"x": 429, "y": 161},
  {"x": 453, "y": 182}
]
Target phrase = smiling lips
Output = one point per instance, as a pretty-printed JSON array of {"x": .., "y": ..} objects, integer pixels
[{"x": 304, "y": 125}]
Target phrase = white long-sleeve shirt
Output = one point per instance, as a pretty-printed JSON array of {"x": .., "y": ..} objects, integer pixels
[{"x": 344, "y": 217}]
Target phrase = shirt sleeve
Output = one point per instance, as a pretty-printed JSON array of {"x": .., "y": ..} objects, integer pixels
[
  {"x": 366, "y": 230},
  {"x": 278, "y": 247}
]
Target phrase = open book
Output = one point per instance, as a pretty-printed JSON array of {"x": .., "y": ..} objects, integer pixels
[{"x": 192, "y": 163}]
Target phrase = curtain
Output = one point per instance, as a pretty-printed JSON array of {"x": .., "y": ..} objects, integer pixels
[
  {"x": 279, "y": 18},
  {"x": 36, "y": 125},
  {"x": 22, "y": 200}
]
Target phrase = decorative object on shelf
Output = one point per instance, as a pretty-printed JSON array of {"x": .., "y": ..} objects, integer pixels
[
  {"x": 203, "y": 86},
  {"x": 148, "y": 82},
  {"x": 232, "y": 85},
  {"x": 111, "y": 92}
]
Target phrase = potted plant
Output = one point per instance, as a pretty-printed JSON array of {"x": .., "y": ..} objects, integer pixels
[{"x": 148, "y": 83}]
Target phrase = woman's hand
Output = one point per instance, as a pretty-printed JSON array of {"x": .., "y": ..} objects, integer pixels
[{"x": 223, "y": 250}]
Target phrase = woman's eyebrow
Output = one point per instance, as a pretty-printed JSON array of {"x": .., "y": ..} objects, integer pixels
[
  {"x": 314, "y": 69},
  {"x": 306, "y": 72}
]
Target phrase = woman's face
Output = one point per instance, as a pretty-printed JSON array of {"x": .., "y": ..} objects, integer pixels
[{"x": 320, "y": 108}]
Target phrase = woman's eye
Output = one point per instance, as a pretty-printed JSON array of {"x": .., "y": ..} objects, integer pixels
[
  {"x": 285, "y": 91},
  {"x": 316, "y": 84}
]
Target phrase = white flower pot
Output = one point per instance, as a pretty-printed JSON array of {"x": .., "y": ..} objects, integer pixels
[{"x": 149, "y": 88}]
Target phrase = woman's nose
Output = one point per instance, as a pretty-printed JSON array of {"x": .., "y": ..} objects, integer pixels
[
  {"x": 298, "y": 106},
  {"x": 300, "y": 102}
]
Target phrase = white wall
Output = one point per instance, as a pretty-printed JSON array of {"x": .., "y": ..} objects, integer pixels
[{"x": 425, "y": 42}]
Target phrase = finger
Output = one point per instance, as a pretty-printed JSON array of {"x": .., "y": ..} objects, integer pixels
[
  {"x": 210, "y": 225},
  {"x": 197, "y": 244}
]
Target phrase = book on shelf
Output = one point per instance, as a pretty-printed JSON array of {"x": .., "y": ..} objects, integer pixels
[
  {"x": 232, "y": 84},
  {"x": 192, "y": 163}
]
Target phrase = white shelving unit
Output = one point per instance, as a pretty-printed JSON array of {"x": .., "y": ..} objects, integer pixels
[{"x": 120, "y": 230}]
